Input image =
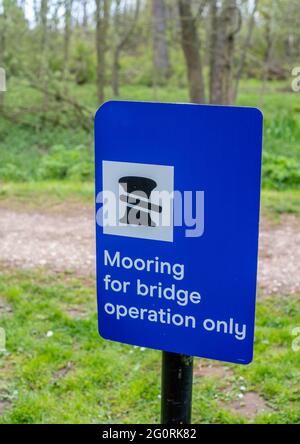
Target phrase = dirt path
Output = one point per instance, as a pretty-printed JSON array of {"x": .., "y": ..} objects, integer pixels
[
  {"x": 279, "y": 256},
  {"x": 66, "y": 242},
  {"x": 56, "y": 241}
]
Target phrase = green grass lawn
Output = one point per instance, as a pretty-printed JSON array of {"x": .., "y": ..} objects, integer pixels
[
  {"x": 46, "y": 194},
  {"x": 57, "y": 369}
]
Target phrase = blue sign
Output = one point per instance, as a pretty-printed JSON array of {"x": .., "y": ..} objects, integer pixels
[{"x": 177, "y": 220}]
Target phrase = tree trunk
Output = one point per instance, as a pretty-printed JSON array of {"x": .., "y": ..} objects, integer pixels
[
  {"x": 2, "y": 50},
  {"x": 85, "y": 16},
  {"x": 67, "y": 37},
  {"x": 115, "y": 73},
  {"x": 102, "y": 22},
  {"x": 116, "y": 51},
  {"x": 121, "y": 40},
  {"x": 222, "y": 39},
  {"x": 269, "y": 38},
  {"x": 230, "y": 7},
  {"x": 244, "y": 52},
  {"x": 191, "y": 48},
  {"x": 214, "y": 51},
  {"x": 44, "y": 49},
  {"x": 44, "y": 31},
  {"x": 161, "y": 61},
  {"x": 36, "y": 11}
]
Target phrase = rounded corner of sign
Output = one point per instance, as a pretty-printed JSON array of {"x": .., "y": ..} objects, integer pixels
[
  {"x": 247, "y": 361},
  {"x": 102, "y": 108},
  {"x": 101, "y": 333},
  {"x": 259, "y": 113}
]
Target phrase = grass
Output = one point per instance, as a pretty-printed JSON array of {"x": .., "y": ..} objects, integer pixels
[
  {"x": 75, "y": 376},
  {"x": 49, "y": 194},
  {"x": 275, "y": 202},
  {"x": 46, "y": 194}
]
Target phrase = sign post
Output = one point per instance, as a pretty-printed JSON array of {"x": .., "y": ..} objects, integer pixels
[
  {"x": 177, "y": 221},
  {"x": 176, "y": 392}
]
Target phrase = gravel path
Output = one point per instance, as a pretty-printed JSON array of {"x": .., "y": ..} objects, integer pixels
[
  {"x": 66, "y": 242},
  {"x": 60, "y": 242},
  {"x": 279, "y": 256}
]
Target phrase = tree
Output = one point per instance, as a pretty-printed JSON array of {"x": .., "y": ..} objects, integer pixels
[
  {"x": 191, "y": 48},
  {"x": 269, "y": 39},
  {"x": 36, "y": 11},
  {"x": 121, "y": 34},
  {"x": 225, "y": 23},
  {"x": 85, "y": 16},
  {"x": 44, "y": 30},
  {"x": 102, "y": 24},
  {"x": 67, "y": 37},
  {"x": 44, "y": 49},
  {"x": 161, "y": 62},
  {"x": 245, "y": 49},
  {"x": 3, "y": 19}
]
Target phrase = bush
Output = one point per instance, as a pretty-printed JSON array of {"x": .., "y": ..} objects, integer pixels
[
  {"x": 83, "y": 64},
  {"x": 12, "y": 172},
  {"x": 63, "y": 163},
  {"x": 280, "y": 172},
  {"x": 283, "y": 127}
]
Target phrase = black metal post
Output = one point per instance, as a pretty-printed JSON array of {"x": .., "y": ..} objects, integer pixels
[{"x": 176, "y": 392}]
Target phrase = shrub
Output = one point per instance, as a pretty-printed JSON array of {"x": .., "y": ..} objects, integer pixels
[
  {"x": 280, "y": 172},
  {"x": 12, "y": 172},
  {"x": 83, "y": 64},
  {"x": 64, "y": 163},
  {"x": 283, "y": 127}
]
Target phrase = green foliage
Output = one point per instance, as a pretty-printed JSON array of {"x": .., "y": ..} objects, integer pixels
[
  {"x": 280, "y": 172},
  {"x": 23, "y": 146},
  {"x": 83, "y": 64},
  {"x": 27, "y": 153},
  {"x": 63, "y": 163},
  {"x": 283, "y": 126},
  {"x": 10, "y": 172}
]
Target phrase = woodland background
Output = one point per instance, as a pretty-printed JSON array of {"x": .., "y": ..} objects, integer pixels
[{"x": 63, "y": 59}]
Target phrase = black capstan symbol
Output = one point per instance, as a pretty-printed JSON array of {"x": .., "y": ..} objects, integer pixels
[{"x": 137, "y": 192}]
